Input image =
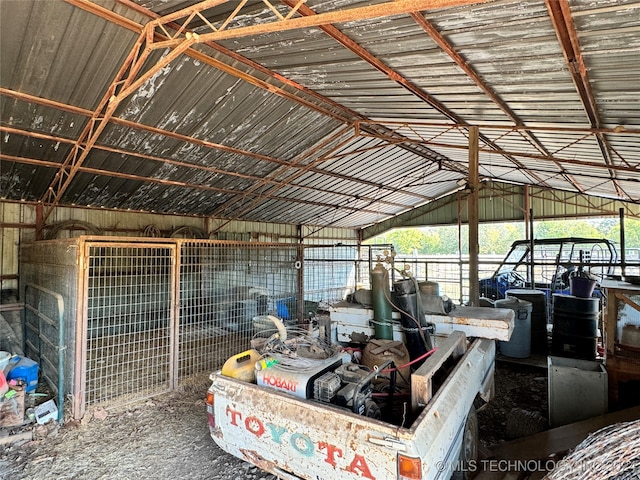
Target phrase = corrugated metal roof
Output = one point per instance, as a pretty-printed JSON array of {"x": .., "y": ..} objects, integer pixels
[{"x": 342, "y": 124}]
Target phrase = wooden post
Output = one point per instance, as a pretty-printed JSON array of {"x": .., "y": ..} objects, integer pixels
[
  {"x": 623, "y": 246},
  {"x": 472, "y": 205},
  {"x": 39, "y": 221}
]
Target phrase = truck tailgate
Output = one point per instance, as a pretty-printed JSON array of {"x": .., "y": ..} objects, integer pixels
[{"x": 299, "y": 438}]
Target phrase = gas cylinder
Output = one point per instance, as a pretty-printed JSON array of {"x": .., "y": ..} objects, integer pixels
[{"x": 382, "y": 311}]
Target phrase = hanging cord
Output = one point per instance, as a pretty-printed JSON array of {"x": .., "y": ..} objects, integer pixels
[
  {"x": 421, "y": 357},
  {"x": 398, "y": 369}
]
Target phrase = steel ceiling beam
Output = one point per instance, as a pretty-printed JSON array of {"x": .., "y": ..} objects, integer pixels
[
  {"x": 552, "y": 159},
  {"x": 562, "y": 21},
  {"x": 504, "y": 191},
  {"x": 164, "y": 160},
  {"x": 619, "y": 130},
  {"x": 302, "y": 168},
  {"x": 227, "y": 28},
  {"x": 446, "y": 47},
  {"x": 192, "y": 12},
  {"x": 127, "y": 77},
  {"x": 167, "y": 22},
  {"x": 394, "y": 75},
  {"x": 388, "y": 125},
  {"x": 177, "y": 183},
  {"x": 332, "y": 109}
]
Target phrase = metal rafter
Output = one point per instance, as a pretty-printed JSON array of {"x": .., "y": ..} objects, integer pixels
[
  {"x": 562, "y": 20},
  {"x": 166, "y": 23},
  {"x": 332, "y": 109},
  {"x": 558, "y": 161},
  {"x": 325, "y": 158},
  {"x": 176, "y": 183},
  {"x": 362, "y": 127},
  {"x": 133, "y": 81},
  {"x": 301, "y": 168},
  {"x": 227, "y": 28},
  {"x": 446, "y": 47},
  {"x": 164, "y": 160},
  {"x": 129, "y": 78},
  {"x": 190, "y": 13},
  {"x": 619, "y": 130},
  {"x": 394, "y": 75},
  {"x": 126, "y": 82}
]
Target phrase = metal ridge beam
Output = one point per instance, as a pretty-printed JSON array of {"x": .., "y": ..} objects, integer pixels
[{"x": 280, "y": 23}]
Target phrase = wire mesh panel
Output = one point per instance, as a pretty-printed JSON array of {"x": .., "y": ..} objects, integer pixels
[
  {"x": 329, "y": 273},
  {"x": 223, "y": 287},
  {"x": 130, "y": 294}
]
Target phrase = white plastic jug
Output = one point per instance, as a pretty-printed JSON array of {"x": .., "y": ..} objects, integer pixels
[{"x": 4, "y": 359}]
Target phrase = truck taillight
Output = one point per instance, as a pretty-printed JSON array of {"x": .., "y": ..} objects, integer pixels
[
  {"x": 211, "y": 414},
  {"x": 409, "y": 468}
]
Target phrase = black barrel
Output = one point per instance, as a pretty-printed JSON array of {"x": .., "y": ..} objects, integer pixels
[
  {"x": 413, "y": 322},
  {"x": 538, "y": 300},
  {"x": 575, "y": 326}
]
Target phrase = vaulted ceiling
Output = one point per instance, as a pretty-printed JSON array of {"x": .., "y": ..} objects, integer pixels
[{"x": 336, "y": 112}]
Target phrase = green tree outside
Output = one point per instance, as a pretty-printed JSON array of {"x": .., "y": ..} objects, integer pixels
[{"x": 497, "y": 238}]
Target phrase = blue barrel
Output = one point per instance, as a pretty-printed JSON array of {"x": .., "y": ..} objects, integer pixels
[
  {"x": 519, "y": 345},
  {"x": 25, "y": 369}
]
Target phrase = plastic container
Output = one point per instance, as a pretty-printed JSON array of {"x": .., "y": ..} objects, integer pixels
[
  {"x": 25, "y": 369},
  {"x": 266, "y": 363},
  {"x": 242, "y": 366},
  {"x": 581, "y": 287},
  {"x": 519, "y": 345},
  {"x": 538, "y": 301},
  {"x": 288, "y": 308}
]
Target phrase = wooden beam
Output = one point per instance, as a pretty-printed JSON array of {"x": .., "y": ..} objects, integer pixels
[
  {"x": 454, "y": 346},
  {"x": 472, "y": 205}
]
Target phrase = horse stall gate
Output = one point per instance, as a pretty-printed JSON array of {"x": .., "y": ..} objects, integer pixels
[{"x": 137, "y": 315}]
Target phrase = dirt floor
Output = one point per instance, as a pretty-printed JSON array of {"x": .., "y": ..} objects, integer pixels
[{"x": 167, "y": 437}]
